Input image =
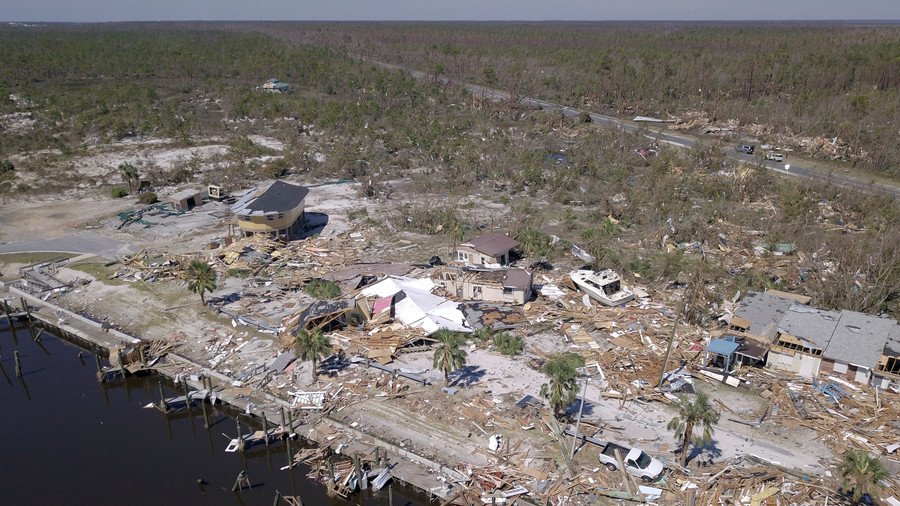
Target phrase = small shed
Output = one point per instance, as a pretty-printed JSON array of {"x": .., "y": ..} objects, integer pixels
[
  {"x": 185, "y": 200},
  {"x": 721, "y": 351}
]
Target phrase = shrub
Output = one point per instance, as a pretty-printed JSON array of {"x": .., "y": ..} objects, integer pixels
[
  {"x": 323, "y": 289},
  {"x": 148, "y": 198},
  {"x": 118, "y": 192},
  {"x": 508, "y": 344},
  {"x": 6, "y": 166}
]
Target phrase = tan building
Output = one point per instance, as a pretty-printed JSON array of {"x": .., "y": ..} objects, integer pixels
[
  {"x": 491, "y": 250},
  {"x": 276, "y": 210},
  {"x": 185, "y": 200},
  {"x": 512, "y": 286}
]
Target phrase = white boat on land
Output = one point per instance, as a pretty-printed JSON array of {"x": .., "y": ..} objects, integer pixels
[{"x": 603, "y": 286}]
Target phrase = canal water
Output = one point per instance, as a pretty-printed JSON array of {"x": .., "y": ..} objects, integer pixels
[{"x": 66, "y": 439}]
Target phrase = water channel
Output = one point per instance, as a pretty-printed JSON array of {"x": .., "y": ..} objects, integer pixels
[{"x": 69, "y": 440}]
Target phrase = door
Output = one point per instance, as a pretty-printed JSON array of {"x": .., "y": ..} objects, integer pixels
[{"x": 808, "y": 366}]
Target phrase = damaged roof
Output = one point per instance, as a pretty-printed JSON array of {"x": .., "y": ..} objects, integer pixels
[
  {"x": 810, "y": 324},
  {"x": 492, "y": 244},
  {"x": 279, "y": 197},
  {"x": 764, "y": 311},
  {"x": 892, "y": 346},
  {"x": 518, "y": 279},
  {"x": 415, "y": 306},
  {"x": 859, "y": 339}
]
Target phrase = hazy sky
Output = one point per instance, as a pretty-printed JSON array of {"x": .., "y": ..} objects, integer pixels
[{"x": 150, "y": 10}]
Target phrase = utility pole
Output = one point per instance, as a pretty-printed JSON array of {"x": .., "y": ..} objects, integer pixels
[
  {"x": 695, "y": 278},
  {"x": 578, "y": 419}
]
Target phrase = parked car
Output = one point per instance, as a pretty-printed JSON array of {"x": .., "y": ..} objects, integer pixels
[
  {"x": 637, "y": 462},
  {"x": 775, "y": 157},
  {"x": 745, "y": 148}
]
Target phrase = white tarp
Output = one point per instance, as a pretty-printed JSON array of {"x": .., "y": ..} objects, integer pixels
[{"x": 417, "y": 307}]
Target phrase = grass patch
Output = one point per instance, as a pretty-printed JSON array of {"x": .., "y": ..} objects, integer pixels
[
  {"x": 32, "y": 258},
  {"x": 98, "y": 271},
  {"x": 508, "y": 344},
  {"x": 323, "y": 289}
]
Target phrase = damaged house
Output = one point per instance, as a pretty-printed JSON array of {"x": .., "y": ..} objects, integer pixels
[
  {"x": 813, "y": 341},
  {"x": 276, "y": 211},
  {"x": 802, "y": 337},
  {"x": 512, "y": 286},
  {"x": 489, "y": 250},
  {"x": 887, "y": 370},
  {"x": 411, "y": 302},
  {"x": 856, "y": 345}
]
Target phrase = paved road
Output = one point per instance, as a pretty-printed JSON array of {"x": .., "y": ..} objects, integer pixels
[
  {"x": 79, "y": 242},
  {"x": 668, "y": 137}
]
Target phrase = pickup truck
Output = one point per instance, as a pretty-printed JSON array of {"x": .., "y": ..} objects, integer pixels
[{"x": 637, "y": 462}]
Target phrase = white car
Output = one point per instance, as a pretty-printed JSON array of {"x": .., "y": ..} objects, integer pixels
[
  {"x": 775, "y": 157},
  {"x": 637, "y": 462}
]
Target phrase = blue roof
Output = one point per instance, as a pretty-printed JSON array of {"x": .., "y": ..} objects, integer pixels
[{"x": 722, "y": 347}]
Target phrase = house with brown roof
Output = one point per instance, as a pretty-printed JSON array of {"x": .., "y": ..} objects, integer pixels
[
  {"x": 512, "y": 286},
  {"x": 489, "y": 250}
]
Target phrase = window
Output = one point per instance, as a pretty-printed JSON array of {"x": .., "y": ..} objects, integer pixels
[
  {"x": 507, "y": 290},
  {"x": 891, "y": 365},
  {"x": 280, "y": 216},
  {"x": 270, "y": 217},
  {"x": 461, "y": 256}
]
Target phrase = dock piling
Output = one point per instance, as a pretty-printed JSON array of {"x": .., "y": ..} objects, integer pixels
[
  {"x": 162, "y": 399},
  {"x": 187, "y": 396},
  {"x": 240, "y": 439},
  {"x": 265, "y": 428},
  {"x": 9, "y": 321},
  {"x": 18, "y": 364}
]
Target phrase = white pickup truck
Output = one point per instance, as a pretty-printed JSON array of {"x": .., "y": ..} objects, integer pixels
[{"x": 637, "y": 462}]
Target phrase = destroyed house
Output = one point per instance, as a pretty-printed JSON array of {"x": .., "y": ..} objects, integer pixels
[
  {"x": 887, "y": 370},
  {"x": 801, "y": 339},
  {"x": 512, "y": 286},
  {"x": 856, "y": 345},
  {"x": 276, "y": 210},
  {"x": 491, "y": 250},
  {"x": 411, "y": 302},
  {"x": 759, "y": 314}
]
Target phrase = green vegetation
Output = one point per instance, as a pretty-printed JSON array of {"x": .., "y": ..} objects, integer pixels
[
  {"x": 861, "y": 474},
  {"x": 130, "y": 175},
  {"x": 448, "y": 353},
  {"x": 561, "y": 388},
  {"x": 312, "y": 346},
  {"x": 148, "y": 198},
  {"x": 691, "y": 416},
  {"x": 118, "y": 192},
  {"x": 31, "y": 258},
  {"x": 201, "y": 278},
  {"x": 508, "y": 344},
  {"x": 813, "y": 80},
  {"x": 456, "y": 156},
  {"x": 322, "y": 289}
]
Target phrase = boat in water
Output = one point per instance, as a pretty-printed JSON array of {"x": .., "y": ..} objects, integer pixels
[{"x": 603, "y": 286}]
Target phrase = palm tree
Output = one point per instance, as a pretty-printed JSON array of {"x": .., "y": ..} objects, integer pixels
[
  {"x": 312, "y": 346},
  {"x": 129, "y": 174},
  {"x": 448, "y": 355},
  {"x": 692, "y": 415},
  {"x": 862, "y": 474},
  {"x": 562, "y": 387},
  {"x": 201, "y": 278}
]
